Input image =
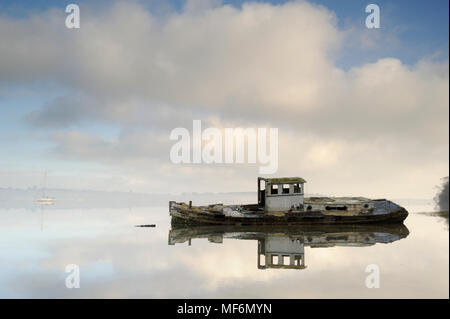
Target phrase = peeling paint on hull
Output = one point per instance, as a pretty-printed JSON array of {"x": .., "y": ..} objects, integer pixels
[{"x": 382, "y": 211}]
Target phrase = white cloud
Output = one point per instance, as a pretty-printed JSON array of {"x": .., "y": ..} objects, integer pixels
[{"x": 374, "y": 127}]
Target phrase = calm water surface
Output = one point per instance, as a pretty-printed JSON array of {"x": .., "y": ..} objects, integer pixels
[{"x": 117, "y": 259}]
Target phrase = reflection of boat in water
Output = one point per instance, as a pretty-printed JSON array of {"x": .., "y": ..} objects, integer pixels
[
  {"x": 281, "y": 201},
  {"x": 283, "y": 247}
]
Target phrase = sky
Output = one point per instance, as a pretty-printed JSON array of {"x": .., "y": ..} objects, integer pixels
[{"x": 359, "y": 111}]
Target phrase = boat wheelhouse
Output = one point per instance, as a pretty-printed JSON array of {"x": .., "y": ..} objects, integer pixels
[{"x": 280, "y": 194}]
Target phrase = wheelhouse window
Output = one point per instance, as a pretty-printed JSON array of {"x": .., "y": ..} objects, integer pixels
[
  {"x": 274, "y": 189},
  {"x": 297, "y": 188},
  {"x": 285, "y": 188}
]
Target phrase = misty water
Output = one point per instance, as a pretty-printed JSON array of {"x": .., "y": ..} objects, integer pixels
[{"x": 118, "y": 260}]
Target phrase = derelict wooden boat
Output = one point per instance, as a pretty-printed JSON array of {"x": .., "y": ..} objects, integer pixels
[{"x": 281, "y": 201}]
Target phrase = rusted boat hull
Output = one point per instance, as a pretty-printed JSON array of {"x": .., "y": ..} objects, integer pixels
[{"x": 184, "y": 214}]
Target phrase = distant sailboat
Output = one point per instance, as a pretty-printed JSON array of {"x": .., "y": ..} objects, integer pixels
[{"x": 44, "y": 199}]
